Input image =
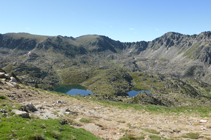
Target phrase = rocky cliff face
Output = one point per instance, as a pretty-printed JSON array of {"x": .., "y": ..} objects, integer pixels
[{"x": 43, "y": 59}]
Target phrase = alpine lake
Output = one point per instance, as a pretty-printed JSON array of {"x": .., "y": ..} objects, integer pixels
[{"x": 78, "y": 89}]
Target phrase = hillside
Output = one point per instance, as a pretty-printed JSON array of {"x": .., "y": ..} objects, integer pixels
[
  {"x": 94, "y": 60},
  {"x": 31, "y": 113}
]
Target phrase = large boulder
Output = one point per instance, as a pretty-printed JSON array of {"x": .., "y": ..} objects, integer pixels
[
  {"x": 23, "y": 114},
  {"x": 29, "y": 107}
]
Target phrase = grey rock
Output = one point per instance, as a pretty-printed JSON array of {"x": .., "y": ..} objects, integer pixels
[
  {"x": 29, "y": 107},
  {"x": 3, "y": 80},
  {"x": 2, "y": 111},
  {"x": 60, "y": 102},
  {"x": 7, "y": 76},
  {"x": 10, "y": 84},
  {"x": 23, "y": 114},
  {"x": 14, "y": 84},
  {"x": 13, "y": 79},
  {"x": 67, "y": 110},
  {"x": 63, "y": 122}
]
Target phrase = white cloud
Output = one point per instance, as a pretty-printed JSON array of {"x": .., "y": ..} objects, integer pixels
[
  {"x": 157, "y": 29},
  {"x": 131, "y": 29},
  {"x": 27, "y": 28}
]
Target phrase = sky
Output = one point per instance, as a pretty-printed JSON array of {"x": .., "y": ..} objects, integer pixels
[{"x": 123, "y": 20}]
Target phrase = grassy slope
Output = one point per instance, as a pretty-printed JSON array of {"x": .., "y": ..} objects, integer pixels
[
  {"x": 15, "y": 127},
  {"x": 22, "y": 128}
]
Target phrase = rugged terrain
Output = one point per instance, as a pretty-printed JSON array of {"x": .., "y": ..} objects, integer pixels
[
  {"x": 51, "y": 60},
  {"x": 54, "y": 115},
  {"x": 174, "y": 67}
]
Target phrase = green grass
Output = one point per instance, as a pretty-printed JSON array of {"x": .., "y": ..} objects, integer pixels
[
  {"x": 191, "y": 135},
  {"x": 8, "y": 68},
  {"x": 153, "y": 137},
  {"x": 2, "y": 97},
  {"x": 131, "y": 137},
  {"x": 21, "y": 128},
  {"x": 192, "y": 51},
  {"x": 151, "y": 131},
  {"x": 203, "y": 111},
  {"x": 84, "y": 120},
  {"x": 163, "y": 59}
]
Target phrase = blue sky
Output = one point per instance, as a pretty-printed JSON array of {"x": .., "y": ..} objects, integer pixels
[{"x": 123, "y": 20}]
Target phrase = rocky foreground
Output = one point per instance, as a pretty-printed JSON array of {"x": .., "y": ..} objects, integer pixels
[{"x": 103, "y": 119}]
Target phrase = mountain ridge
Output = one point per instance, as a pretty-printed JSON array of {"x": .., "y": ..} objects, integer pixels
[{"x": 174, "y": 54}]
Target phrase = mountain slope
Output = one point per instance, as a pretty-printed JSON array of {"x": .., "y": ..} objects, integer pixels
[{"x": 173, "y": 54}]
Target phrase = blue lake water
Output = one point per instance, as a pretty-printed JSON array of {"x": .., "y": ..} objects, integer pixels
[
  {"x": 135, "y": 92},
  {"x": 78, "y": 89}
]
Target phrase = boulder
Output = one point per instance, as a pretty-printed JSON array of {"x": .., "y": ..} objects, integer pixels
[
  {"x": 10, "y": 84},
  {"x": 29, "y": 107},
  {"x": 3, "y": 80},
  {"x": 60, "y": 102},
  {"x": 13, "y": 79},
  {"x": 23, "y": 114},
  {"x": 7, "y": 76},
  {"x": 2, "y": 111},
  {"x": 67, "y": 110},
  {"x": 63, "y": 122},
  {"x": 14, "y": 84}
]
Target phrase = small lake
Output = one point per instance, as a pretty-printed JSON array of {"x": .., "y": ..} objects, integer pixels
[
  {"x": 78, "y": 89},
  {"x": 135, "y": 92},
  {"x": 72, "y": 90}
]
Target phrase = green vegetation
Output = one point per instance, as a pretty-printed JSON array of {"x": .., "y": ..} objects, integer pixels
[
  {"x": 84, "y": 120},
  {"x": 151, "y": 131},
  {"x": 36, "y": 85},
  {"x": 163, "y": 59},
  {"x": 8, "y": 68},
  {"x": 153, "y": 137},
  {"x": 2, "y": 97},
  {"x": 132, "y": 137},
  {"x": 191, "y": 135},
  {"x": 192, "y": 51},
  {"x": 17, "y": 127},
  {"x": 203, "y": 111}
]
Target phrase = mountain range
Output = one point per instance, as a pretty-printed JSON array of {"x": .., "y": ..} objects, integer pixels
[{"x": 52, "y": 60}]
